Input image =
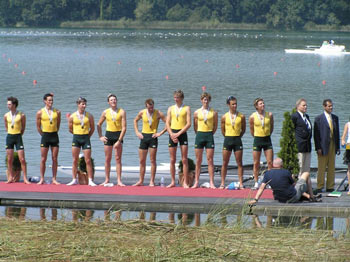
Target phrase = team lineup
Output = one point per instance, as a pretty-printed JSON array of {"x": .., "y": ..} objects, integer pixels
[{"x": 177, "y": 122}]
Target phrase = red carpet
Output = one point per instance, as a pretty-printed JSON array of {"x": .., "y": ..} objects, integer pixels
[{"x": 130, "y": 190}]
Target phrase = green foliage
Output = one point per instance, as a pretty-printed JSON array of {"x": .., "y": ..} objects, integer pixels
[
  {"x": 16, "y": 164},
  {"x": 191, "y": 165},
  {"x": 143, "y": 11},
  {"x": 177, "y": 13},
  {"x": 289, "y": 150}
]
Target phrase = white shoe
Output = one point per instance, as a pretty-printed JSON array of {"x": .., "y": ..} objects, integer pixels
[
  {"x": 91, "y": 183},
  {"x": 108, "y": 185},
  {"x": 73, "y": 182},
  {"x": 256, "y": 186}
]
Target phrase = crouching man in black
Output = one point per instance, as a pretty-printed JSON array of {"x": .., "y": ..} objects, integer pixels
[{"x": 283, "y": 185}]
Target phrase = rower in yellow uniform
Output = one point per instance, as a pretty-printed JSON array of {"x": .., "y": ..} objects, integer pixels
[
  {"x": 178, "y": 121},
  {"x": 148, "y": 138},
  {"x": 48, "y": 121},
  {"x": 81, "y": 125},
  {"x": 205, "y": 124},
  {"x": 15, "y": 124},
  {"x": 113, "y": 138},
  {"x": 261, "y": 127},
  {"x": 233, "y": 126}
]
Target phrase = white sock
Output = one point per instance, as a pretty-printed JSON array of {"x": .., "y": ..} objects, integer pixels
[
  {"x": 91, "y": 183},
  {"x": 73, "y": 182}
]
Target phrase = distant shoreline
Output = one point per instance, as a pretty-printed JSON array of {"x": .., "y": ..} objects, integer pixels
[{"x": 162, "y": 25}]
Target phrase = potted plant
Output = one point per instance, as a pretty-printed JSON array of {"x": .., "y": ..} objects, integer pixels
[
  {"x": 82, "y": 172},
  {"x": 16, "y": 167},
  {"x": 191, "y": 172}
]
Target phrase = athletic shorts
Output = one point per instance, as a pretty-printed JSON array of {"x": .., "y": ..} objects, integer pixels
[
  {"x": 204, "y": 140},
  {"x": 14, "y": 140},
  {"x": 300, "y": 188},
  {"x": 148, "y": 141},
  {"x": 183, "y": 139},
  {"x": 112, "y": 137},
  {"x": 261, "y": 143},
  {"x": 81, "y": 141},
  {"x": 233, "y": 143},
  {"x": 49, "y": 139}
]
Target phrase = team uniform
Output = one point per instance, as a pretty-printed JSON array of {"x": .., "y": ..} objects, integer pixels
[
  {"x": 149, "y": 127},
  {"x": 81, "y": 131},
  {"x": 262, "y": 132},
  {"x": 113, "y": 126},
  {"x": 178, "y": 122},
  {"x": 49, "y": 129},
  {"x": 233, "y": 128},
  {"x": 204, "y": 136},
  {"x": 14, "y": 127}
]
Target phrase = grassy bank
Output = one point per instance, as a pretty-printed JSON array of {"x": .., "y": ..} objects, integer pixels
[
  {"x": 150, "y": 241},
  {"x": 132, "y": 24}
]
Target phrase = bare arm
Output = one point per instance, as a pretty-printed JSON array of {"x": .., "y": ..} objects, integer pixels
[
  {"x": 99, "y": 127},
  {"x": 5, "y": 120},
  {"x": 223, "y": 127},
  {"x": 251, "y": 124},
  {"x": 195, "y": 121},
  {"x": 122, "y": 133},
  {"x": 38, "y": 122},
  {"x": 70, "y": 124},
  {"x": 23, "y": 120},
  {"x": 161, "y": 116},
  {"x": 136, "y": 128},
  {"x": 258, "y": 194},
  {"x": 243, "y": 125},
  {"x": 215, "y": 127},
  {"x": 58, "y": 120},
  {"x": 92, "y": 125},
  {"x": 344, "y": 134},
  {"x": 168, "y": 121},
  {"x": 271, "y": 123}
]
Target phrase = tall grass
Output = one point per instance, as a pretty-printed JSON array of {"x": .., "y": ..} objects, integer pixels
[{"x": 151, "y": 241}]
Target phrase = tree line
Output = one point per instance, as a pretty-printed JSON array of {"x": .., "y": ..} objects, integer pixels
[{"x": 278, "y": 14}]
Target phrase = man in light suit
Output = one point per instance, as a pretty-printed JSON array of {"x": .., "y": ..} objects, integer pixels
[
  {"x": 303, "y": 134},
  {"x": 327, "y": 144}
]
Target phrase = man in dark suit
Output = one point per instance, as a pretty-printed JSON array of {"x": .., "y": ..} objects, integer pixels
[
  {"x": 327, "y": 144},
  {"x": 303, "y": 134}
]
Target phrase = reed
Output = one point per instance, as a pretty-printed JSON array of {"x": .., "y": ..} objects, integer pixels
[{"x": 136, "y": 240}]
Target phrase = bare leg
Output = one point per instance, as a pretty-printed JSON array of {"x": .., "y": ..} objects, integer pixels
[
  {"x": 23, "y": 166},
  {"x": 153, "y": 159},
  {"x": 199, "y": 158},
  {"x": 239, "y": 156},
  {"x": 172, "y": 153},
  {"x": 89, "y": 169},
  {"x": 225, "y": 160},
  {"x": 306, "y": 177},
  {"x": 108, "y": 156},
  {"x": 269, "y": 158},
  {"x": 75, "y": 156},
  {"x": 54, "y": 153},
  {"x": 184, "y": 152},
  {"x": 44, "y": 151},
  {"x": 210, "y": 160},
  {"x": 9, "y": 153},
  {"x": 118, "y": 160},
  {"x": 142, "y": 157},
  {"x": 256, "y": 165}
]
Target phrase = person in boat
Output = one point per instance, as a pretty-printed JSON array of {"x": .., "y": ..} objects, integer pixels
[
  {"x": 261, "y": 127},
  {"x": 113, "y": 139},
  {"x": 303, "y": 134},
  {"x": 178, "y": 121},
  {"x": 327, "y": 145},
  {"x": 148, "y": 138},
  {"x": 81, "y": 125},
  {"x": 15, "y": 124},
  {"x": 233, "y": 126},
  {"x": 284, "y": 188},
  {"x": 48, "y": 120},
  {"x": 205, "y": 124},
  {"x": 346, "y": 143}
]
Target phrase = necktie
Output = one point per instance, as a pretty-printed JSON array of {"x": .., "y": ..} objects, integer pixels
[
  {"x": 306, "y": 122},
  {"x": 330, "y": 124}
]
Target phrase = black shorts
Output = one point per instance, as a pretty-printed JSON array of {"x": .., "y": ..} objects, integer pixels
[
  {"x": 261, "y": 143},
  {"x": 112, "y": 138},
  {"x": 182, "y": 139},
  {"x": 204, "y": 140},
  {"x": 81, "y": 141},
  {"x": 148, "y": 141},
  {"x": 233, "y": 143},
  {"x": 14, "y": 140},
  {"x": 49, "y": 139}
]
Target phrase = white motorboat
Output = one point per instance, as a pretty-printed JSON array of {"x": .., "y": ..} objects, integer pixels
[{"x": 327, "y": 48}]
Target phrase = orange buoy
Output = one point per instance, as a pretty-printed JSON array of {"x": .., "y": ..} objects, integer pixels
[
  {"x": 23, "y": 72},
  {"x": 324, "y": 82},
  {"x": 35, "y": 82},
  {"x": 207, "y": 61},
  {"x": 274, "y": 73},
  {"x": 119, "y": 62},
  {"x": 140, "y": 69},
  {"x": 16, "y": 65},
  {"x": 237, "y": 66},
  {"x": 167, "y": 77},
  {"x": 204, "y": 88}
]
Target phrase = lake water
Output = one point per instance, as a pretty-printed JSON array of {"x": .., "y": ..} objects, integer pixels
[{"x": 137, "y": 64}]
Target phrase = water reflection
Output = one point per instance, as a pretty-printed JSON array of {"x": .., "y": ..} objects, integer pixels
[{"x": 340, "y": 225}]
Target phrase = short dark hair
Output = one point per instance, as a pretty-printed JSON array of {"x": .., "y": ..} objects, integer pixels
[
  {"x": 206, "y": 95},
  {"x": 47, "y": 95},
  {"x": 327, "y": 101},
  {"x": 149, "y": 101},
  {"x": 230, "y": 98},
  {"x": 81, "y": 100},
  {"x": 13, "y": 100},
  {"x": 111, "y": 95},
  {"x": 257, "y": 100},
  {"x": 179, "y": 93}
]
